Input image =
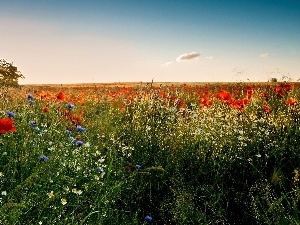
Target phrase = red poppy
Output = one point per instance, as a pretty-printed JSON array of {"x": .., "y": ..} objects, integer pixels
[
  {"x": 224, "y": 95},
  {"x": 291, "y": 101},
  {"x": 287, "y": 87},
  {"x": 61, "y": 96},
  {"x": 278, "y": 91},
  {"x": 7, "y": 125},
  {"x": 45, "y": 109},
  {"x": 249, "y": 92},
  {"x": 266, "y": 108},
  {"x": 265, "y": 95},
  {"x": 205, "y": 102},
  {"x": 128, "y": 167}
]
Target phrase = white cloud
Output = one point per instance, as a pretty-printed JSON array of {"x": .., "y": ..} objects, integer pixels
[
  {"x": 264, "y": 55},
  {"x": 167, "y": 63},
  {"x": 188, "y": 56},
  {"x": 209, "y": 57}
]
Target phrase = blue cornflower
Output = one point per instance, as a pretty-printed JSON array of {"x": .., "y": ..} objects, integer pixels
[
  {"x": 100, "y": 170},
  {"x": 79, "y": 143},
  {"x": 148, "y": 218},
  {"x": 44, "y": 158},
  {"x": 33, "y": 123},
  {"x": 80, "y": 128},
  {"x": 38, "y": 130},
  {"x": 70, "y": 106},
  {"x": 31, "y": 102},
  {"x": 138, "y": 166},
  {"x": 29, "y": 96},
  {"x": 10, "y": 114},
  {"x": 68, "y": 132}
]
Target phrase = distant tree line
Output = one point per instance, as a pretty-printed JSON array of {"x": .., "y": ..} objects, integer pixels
[{"x": 9, "y": 74}]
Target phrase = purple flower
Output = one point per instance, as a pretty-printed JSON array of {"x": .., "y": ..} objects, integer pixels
[
  {"x": 68, "y": 132},
  {"x": 148, "y": 218},
  {"x": 31, "y": 102},
  {"x": 10, "y": 114},
  {"x": 79, "y": 143},
  {"x": 29, "y": 96},
  {"x": 138, "y": 166},
  {"x": 80, "y": 128},
  {"x": 70, "y": 106},
  {"x": 33, "y": 124},
  {"x": 100, "y": 170},
  {"x": 44, "y": 158}
]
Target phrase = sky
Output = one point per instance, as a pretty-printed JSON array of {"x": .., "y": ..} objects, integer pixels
[{"x": 103, "y": 41}]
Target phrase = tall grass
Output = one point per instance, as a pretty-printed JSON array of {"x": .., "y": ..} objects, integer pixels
[{"x": 151, "y": 155}]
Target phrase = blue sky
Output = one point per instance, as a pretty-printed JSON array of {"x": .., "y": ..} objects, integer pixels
[{"x": 138, "y": 40}]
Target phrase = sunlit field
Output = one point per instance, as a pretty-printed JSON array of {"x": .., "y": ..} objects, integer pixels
[{"x": 150, "y": 153}]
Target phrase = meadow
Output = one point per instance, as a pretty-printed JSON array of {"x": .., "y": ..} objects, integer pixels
[{"x": 150, "y": 154}]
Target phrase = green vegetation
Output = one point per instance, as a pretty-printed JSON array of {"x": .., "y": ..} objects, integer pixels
[
  {"x": 9, "y": 74},
  {"x": 151, "y": 155}
]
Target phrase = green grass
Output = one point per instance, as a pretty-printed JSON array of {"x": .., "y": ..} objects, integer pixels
[{"x": 213, "y": 165}]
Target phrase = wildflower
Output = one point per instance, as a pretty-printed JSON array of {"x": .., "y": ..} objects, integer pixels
[
  {"x": 278, "y": 91},
  {"x": 63, "y": 201},
  {"x": 148, "y": 218},
  {"x": 266, "y": 108},
  {"x": 291, "y": 101},
  {"x": 265, "y": 96},
  {"x": 138, "y": 166},
  {"x": 44, "y": 158},
  {"x": 100, "y": 170},
  {"x": 68, "y": 132},
  {"x": 1, "y": 174},
  {"x": 128, "y": 167},
  {"x": 79, "y": 192},
  {"x": 249, "y": 92},
  {"x": 60, "y": 96},
  {"x": 10, "y": 114},
  {"x": 50, "y": 195},
  {"x": 33, "y": 124},
  {"x": 3, "y": 193},
  {"x": 31, "y": 102},
  {"x": 70, "y": 106},
  {"x": 79, "y": 143},
  {"x": 7, "y": 125},
  {"x": 45, "y": 109},
  {"x": 224, "y": 95},
  {"x": 80, "y": 128},
  {"x": 29, "y": 96},
  {"x": 205, "y": 102}
]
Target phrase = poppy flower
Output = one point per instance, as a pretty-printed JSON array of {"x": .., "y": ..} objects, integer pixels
[
  {"x": 45, "y": 109},
  {"x": 266, "y": 108},
  {"x": 224, "y": 95},
  {"x": 60, "y": 96},
  {"x": 7, "y": 125},
  {"x": 128, "y": 167},
  {"x": 291, "y": 101}
]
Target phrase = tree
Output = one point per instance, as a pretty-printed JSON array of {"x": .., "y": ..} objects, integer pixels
[
  {"x": 273, "y": 79},
  {"x": 9, "y": 74}
]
